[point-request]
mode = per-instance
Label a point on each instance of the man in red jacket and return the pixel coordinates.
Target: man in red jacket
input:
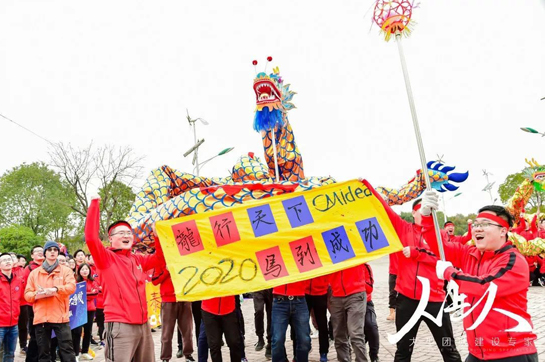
(409, 288)
(492, 265)
(27, 313)
(10, 294)
(348, 307)
(123, 280)
(449, 229)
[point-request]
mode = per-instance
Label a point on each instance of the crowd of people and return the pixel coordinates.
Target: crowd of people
(34, 299)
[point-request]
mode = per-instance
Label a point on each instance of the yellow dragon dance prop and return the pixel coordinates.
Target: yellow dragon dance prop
(168, 193)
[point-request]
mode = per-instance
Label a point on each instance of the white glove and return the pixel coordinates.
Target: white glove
(440, 268)
(430, 200)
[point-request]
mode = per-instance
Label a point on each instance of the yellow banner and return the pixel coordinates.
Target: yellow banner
(275, 241)
(153, 296)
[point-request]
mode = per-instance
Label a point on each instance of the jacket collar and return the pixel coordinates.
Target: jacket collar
(491, 254)
(125, 252)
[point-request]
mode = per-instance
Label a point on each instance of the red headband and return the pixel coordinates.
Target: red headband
(119, 223)
(489, 216)
(417, 207)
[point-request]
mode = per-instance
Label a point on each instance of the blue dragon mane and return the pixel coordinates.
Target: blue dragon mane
(266, 120)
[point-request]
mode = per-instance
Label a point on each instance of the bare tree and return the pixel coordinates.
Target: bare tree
(91, 169)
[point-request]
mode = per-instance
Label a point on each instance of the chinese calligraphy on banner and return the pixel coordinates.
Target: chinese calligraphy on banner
(153, 296)
(274, 241)
(78, 307)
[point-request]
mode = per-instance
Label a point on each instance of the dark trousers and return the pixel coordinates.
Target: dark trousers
(392, 278)
(405, 308)
(534, 279)
(180, 342)
(318, 303)
(370, 330)
(202, 344)
(32, 353)
(23, 325)
(216, 326)
(64, 339)
(262, 304)
(99, 315)
(87, 331)
(523, 358)
(197, 317)
(76, 340)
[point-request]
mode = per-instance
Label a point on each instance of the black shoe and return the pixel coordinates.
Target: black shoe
(179, 354)
(268, 354)
(259, 344)
(189, 358)
(94, 342)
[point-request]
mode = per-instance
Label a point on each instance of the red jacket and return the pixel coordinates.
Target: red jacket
(10, 299)
(459, 238)
(348, 281)
(296, 289)
(369, 281)
(508, 270)
(535, 262)
(219, 306)
(100, 297)
(409, 268)
(122, 275)
(25, 273)
(92, 293)
(526, 232)
(162, 277)
(318, 285)
(392, 269)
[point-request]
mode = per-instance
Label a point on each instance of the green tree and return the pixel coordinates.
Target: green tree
(104, 168)
(116, 201)
(18, 239)
(34, 196)
(509, 186)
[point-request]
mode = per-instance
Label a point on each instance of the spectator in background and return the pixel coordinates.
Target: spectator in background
(22, 260)
(49, 287)
(84, 275)
(27, 312)
(79, 257)
(71, 263)
(10, 295)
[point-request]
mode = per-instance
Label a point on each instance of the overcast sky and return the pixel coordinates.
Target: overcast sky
(124, 72)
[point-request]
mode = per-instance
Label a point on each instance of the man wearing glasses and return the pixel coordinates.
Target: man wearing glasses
(10, 294)
(505, 333)
(123, 278)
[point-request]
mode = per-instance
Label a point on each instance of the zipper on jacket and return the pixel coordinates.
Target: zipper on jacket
(137, 291)
(417, 267)
(473, 302)
(10, 302)
(219, 306)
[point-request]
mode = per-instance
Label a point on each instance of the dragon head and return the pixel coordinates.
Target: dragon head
(440, 177)
(273, 100)
(535, 174)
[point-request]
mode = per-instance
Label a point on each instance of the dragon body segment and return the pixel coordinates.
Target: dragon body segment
(168, 193)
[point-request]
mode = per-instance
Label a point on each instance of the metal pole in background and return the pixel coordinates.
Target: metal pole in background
(419, 141)
(195, 142)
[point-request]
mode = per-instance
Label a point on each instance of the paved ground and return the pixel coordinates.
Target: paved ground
(425, 346)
